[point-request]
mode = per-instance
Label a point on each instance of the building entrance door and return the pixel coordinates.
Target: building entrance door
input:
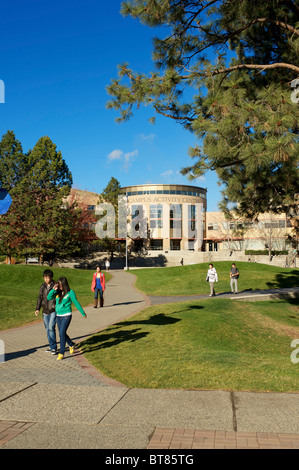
(213, 246)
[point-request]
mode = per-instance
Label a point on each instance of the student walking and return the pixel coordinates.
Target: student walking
(48, 306)
(64, 298)
(98, 287)
(212, 277)
(234, 276)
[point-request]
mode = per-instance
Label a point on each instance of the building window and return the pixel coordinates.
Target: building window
(156, 223)
(156, 220)
(275, 224)
(156, 211)
(175, 245)
(213, 226)
(156, 245)
(91, 208)
(175, 223)
(233, 225)
(167, 191)
(192, 217)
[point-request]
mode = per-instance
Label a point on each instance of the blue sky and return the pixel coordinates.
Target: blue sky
(57, 57)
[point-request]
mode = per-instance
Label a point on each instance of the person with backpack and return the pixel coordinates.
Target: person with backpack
(49, 313)
(234, 276)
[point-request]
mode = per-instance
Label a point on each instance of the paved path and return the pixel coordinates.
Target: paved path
(25, 356)
(242, 295)
(68, 404)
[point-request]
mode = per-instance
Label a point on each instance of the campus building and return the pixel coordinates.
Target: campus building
(271, 231)
(175, 216)
(175, 219)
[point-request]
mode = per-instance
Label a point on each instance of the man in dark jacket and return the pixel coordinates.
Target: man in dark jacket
(49, 314)
(234, 276)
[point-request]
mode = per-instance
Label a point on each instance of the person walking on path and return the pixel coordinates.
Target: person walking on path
(212, 277)
(234, 276)
(49, 314)
(98, 286)
(64, 298)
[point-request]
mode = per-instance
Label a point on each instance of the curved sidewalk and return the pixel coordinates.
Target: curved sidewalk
(67, 404)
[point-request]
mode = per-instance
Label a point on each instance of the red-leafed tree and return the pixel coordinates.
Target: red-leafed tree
(39, 222)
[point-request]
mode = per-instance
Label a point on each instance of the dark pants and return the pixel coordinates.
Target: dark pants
(96, 295)
(63, 324)
(97, 292)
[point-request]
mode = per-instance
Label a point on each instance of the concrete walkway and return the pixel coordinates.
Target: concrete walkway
(48, 404)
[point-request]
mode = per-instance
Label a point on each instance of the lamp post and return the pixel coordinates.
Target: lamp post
(126, 268)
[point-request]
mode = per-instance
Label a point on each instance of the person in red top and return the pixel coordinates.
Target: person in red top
(98, 286)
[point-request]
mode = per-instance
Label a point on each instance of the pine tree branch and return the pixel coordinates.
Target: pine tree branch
(172, 116)
(257, 67)
(277, 23)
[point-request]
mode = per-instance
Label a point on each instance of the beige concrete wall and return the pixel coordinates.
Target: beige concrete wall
(271, 229)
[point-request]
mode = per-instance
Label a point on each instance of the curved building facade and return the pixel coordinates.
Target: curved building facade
(167, 216)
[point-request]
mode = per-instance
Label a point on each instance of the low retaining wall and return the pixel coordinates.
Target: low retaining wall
(170, 258)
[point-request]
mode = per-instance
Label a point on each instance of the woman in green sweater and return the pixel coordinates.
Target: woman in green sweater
(64, 299)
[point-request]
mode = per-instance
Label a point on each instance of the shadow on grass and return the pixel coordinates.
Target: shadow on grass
(117, 335)
(108, 340)
(284, 280)
(159, 319)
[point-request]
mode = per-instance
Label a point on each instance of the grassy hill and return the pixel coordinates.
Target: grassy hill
(19, 288)
(185, 280)
(215, 344)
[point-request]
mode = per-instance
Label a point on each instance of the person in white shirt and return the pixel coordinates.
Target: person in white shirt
(212, 277)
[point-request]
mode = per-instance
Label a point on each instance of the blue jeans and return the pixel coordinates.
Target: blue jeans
(50, 325)
(97, 292)
(63, 324)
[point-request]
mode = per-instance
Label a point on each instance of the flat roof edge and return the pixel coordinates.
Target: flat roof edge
(163, 185)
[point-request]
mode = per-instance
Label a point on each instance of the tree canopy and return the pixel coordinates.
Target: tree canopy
(38, 222)
(110, 195)
(224, 70)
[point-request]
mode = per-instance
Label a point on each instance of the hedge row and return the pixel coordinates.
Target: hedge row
(265, 252)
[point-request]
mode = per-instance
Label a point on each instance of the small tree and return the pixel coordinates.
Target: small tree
(14, 236)
(271, 230)
(49, 181)
(110, 194)
(13, 167)
(13, 162)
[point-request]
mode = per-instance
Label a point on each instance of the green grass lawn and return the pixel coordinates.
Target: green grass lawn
(184, 280)
(211, 344)
(20, 287)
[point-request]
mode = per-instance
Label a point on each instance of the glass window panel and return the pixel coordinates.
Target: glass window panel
(176, 211)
